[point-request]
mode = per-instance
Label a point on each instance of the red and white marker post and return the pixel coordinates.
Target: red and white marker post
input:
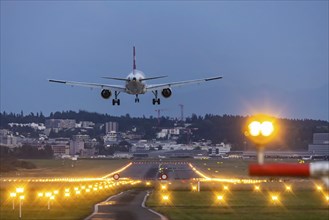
(313, 170)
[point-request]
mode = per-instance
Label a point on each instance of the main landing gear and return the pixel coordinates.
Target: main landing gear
(156, 100)
(116, 100)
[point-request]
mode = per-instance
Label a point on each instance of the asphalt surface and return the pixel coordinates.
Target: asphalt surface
(149, 170)
(125, 206)
(128, 205)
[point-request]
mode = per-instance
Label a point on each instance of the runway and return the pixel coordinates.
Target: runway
(150, 170)
(125, 206)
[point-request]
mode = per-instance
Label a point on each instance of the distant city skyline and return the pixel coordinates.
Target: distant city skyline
(273, 55)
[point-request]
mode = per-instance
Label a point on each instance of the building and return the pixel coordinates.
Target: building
(111, 138)
(219, 149)
(7, 139)
(320, 145)
(87, 124)
(168, 133)
(60, 123)
(60, 146)
(76, 147)
(111, 127)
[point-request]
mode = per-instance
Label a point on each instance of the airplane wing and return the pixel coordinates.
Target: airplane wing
(180, 84)
(118, 88)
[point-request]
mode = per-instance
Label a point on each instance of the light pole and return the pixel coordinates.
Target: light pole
(21, 197)
(13, 196)
(49, 199)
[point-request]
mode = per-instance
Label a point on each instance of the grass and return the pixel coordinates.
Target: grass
(240, 205)
(69, 168)
(231, 168)
(73, 207)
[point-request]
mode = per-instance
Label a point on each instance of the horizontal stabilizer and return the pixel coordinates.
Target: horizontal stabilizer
(156, 77)
(115, 78)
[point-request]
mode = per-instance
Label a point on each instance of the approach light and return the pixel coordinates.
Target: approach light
(19, 190)
(260, 129)
(319, 188)
(288, 188)
(225, 188)
(257, 188)
(165, 197)
(220, 197)
(40, 194)
(12, 195)
(275, 198)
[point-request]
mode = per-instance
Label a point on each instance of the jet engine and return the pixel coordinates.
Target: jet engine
(166, 93)
(106, 93)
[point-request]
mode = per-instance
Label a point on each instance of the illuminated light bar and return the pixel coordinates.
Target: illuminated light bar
(206, 178)
(318, 169)
(117, 171)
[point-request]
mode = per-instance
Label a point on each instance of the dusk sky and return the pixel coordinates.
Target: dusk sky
(273, 55)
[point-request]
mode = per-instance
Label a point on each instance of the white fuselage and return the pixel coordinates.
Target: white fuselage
(135, 84)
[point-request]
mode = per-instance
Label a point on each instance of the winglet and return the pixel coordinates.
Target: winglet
(134, 58)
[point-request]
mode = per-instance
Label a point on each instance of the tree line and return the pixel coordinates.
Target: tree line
(295, 134)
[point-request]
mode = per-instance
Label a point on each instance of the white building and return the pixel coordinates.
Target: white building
(320, 145)
(7, 139)
(168, 132)
(111, 127)
(219, 149)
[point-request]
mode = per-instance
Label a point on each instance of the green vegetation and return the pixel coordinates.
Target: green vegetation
(69, 168)
(240, 205)
(73, 207)
(295, 134)
(232, 168)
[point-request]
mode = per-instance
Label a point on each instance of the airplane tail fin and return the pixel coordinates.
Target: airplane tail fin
(134, 58)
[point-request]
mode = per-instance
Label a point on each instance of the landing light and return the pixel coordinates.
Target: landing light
(319, 188)
(220, 197)
(288, 188)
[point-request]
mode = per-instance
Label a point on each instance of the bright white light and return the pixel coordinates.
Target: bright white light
(220, 197)
(254, 128)
(266, 128)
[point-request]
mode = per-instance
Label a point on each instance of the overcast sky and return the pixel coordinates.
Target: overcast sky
(273, 55)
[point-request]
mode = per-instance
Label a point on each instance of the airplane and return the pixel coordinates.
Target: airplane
(135, 85)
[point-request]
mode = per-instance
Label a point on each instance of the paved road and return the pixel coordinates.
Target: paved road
(126, 206)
